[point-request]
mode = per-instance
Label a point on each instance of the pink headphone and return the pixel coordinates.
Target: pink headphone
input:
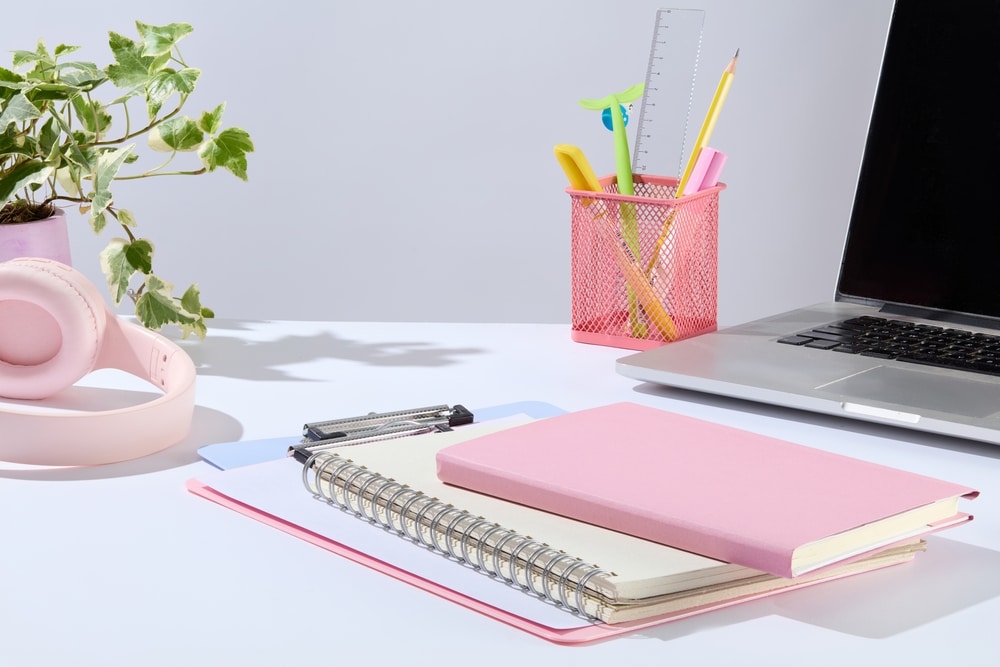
(54, 329)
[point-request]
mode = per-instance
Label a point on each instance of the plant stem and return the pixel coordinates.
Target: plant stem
(128, 117)
(75, 200)
(153, 172)
(128, 232)
(144, 130)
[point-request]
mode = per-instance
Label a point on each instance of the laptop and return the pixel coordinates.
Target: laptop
(922, 253)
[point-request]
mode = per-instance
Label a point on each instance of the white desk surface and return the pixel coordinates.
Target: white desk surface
(120, 565)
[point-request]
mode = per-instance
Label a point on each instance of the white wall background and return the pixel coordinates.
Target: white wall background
(404, 166)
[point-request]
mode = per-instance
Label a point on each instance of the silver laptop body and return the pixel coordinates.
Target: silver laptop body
(923, 247)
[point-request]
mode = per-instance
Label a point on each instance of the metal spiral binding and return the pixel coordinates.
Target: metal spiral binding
(497, 552)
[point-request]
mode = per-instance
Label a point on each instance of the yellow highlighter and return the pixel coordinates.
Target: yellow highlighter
(574, 164)
(582, 177)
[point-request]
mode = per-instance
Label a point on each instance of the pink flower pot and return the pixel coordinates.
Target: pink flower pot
(42, 238)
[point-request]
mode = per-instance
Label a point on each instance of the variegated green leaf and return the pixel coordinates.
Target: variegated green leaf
(18, 109)
(108, 165)
(121, 260)
(7, 80)
(48, 139)
(92, 115)
(140, 255)
(191, 303)
(176, 134)
(159, 40)
(228, 150)
(210, 121)
(126, 218)
(157, 306)
(84, 76)
(131, 66)
(98, 221)
(23, 175)
(68, 178)
(191, 300)
(166, 83)
(116, 268)
(63, 49)
(39, 55)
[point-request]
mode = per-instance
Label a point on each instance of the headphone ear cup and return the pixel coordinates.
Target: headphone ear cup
(52, 323)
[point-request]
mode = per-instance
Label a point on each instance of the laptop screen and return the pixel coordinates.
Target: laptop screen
(925, 228)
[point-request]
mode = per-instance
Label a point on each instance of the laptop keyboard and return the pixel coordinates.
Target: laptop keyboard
(906, 341)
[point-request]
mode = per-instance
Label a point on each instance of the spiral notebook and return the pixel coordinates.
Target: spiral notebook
(436, 537)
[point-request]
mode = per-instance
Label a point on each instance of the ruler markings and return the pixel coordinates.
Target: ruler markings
(662, 127)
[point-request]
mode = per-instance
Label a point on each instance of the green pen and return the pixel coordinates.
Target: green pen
(623, 170)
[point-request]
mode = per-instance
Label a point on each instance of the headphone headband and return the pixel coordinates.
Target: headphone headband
(87, 438)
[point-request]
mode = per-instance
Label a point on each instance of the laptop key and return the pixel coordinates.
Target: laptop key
(794, 340)
(834, 330)
(823, 344)
(842, 337)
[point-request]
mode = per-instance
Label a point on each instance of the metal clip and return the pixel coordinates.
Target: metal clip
(375, 426)
(436, 415)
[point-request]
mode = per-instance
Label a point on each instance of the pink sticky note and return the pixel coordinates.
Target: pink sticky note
(707, 170)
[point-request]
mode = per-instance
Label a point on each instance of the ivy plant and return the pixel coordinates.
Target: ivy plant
(69, 132)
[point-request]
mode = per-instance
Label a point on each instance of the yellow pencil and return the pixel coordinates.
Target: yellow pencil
(704, 136)
(708, 125)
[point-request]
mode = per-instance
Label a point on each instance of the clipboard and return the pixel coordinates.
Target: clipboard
(539, 619)
(226, 455)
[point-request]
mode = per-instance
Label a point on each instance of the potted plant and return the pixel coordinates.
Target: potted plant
(61, 145)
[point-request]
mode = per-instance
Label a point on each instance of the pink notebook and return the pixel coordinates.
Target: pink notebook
(704, 487)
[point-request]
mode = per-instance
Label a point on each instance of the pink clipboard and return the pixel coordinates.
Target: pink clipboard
(585, 633)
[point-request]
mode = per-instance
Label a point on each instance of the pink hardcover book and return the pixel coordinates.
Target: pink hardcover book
(722, 492)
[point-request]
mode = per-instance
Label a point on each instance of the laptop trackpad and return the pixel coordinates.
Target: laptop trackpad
(918, 389)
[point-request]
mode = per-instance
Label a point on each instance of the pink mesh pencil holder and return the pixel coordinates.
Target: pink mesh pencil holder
(644, 267)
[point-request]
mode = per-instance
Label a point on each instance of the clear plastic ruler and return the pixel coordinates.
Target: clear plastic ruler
(662, 131)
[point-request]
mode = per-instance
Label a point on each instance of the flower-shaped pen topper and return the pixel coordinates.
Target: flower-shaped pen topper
(614, 102)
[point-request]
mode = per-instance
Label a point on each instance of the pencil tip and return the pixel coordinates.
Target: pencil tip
(737, 54)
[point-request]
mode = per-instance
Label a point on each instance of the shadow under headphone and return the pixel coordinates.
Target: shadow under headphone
(55, 328)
